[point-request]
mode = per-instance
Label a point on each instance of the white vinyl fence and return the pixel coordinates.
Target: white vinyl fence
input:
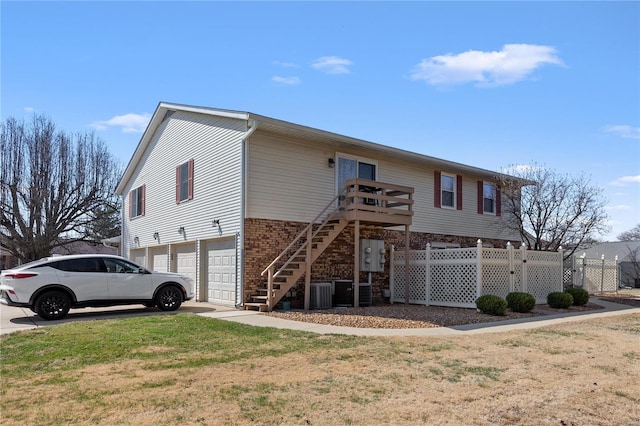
(457, 277)
(595, 275)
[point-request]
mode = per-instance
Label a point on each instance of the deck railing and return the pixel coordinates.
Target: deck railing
(381, 202)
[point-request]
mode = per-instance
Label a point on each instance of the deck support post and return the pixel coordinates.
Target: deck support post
(356, 264)
(307, 278)
(406, 264)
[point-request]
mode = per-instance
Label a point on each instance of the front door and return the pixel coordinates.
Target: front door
(350, 167)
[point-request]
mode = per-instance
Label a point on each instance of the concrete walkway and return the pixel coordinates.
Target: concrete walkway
(261, 320)
(15, 319)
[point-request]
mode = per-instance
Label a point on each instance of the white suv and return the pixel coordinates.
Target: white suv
(53, 285)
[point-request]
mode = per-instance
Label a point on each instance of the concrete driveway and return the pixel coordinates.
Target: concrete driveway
(16, 319)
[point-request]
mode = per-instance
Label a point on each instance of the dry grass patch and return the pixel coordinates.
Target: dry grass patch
(576, 373)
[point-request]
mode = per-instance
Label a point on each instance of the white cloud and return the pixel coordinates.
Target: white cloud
(624, 131)
(626, 180)
(513, 63)
(332, 65)
(289, 81)
(29, 109)
(130, 123)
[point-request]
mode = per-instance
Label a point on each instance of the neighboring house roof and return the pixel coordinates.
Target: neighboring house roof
(622, 249)
(297, 131)
(83, 247)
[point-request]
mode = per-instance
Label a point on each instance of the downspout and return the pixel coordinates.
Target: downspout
(252, 125)
(122, 216)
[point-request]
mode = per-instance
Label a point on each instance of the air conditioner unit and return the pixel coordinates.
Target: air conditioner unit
(366, 294)
(320, 297)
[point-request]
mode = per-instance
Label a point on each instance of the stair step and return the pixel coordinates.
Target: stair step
(259, 297)
(262, 307)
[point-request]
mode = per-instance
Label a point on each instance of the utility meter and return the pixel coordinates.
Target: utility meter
(372, 255)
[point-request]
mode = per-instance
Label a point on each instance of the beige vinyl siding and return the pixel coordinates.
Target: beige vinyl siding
(430, 219)
(214, 143)
(288, 180)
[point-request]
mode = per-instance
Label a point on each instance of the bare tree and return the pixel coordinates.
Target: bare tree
(632, 234)
(51, 185)
(552, 209)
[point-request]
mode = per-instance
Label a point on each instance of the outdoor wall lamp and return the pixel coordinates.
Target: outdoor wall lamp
(136, 240)
(181, 230)
(331, 163)
(156, 236)
(215, 222)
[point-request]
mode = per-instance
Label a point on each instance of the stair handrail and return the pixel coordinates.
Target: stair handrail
(304, 232)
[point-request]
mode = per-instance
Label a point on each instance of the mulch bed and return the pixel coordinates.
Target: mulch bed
(625, 299)
(420, 316)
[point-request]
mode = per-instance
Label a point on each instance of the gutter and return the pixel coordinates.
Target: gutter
(252, 126)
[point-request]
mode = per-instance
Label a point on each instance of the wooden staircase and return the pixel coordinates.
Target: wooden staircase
(362, 201)
(296, 266)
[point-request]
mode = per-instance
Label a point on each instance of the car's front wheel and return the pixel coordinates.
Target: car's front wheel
(169, 298)
(52, 305)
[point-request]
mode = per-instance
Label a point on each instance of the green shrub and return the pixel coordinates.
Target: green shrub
(492, 305)
(580, 296)
(559, 300)
(520, 302)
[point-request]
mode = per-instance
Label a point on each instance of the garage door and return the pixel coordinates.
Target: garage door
(159, 259)
(186, 261)
(138, 256)
(221, 272)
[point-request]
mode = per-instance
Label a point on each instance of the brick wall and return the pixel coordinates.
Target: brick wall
(266, 239)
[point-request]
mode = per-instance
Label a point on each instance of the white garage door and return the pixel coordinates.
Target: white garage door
(186, 261)
(159, 259)
(221, 272)
(138, 256)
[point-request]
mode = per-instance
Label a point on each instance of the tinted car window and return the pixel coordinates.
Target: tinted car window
(120, 266)
(88, 264)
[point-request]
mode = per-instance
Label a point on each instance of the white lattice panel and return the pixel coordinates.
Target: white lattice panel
(453, 285)
(517, 271)
(598, 276)
(495, 279)
(489, 254)
(453, 274)
(544, 256)
(453, 254)
(542, 280)
(417, 281)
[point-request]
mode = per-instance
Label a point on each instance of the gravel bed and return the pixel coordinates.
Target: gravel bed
(412, 316)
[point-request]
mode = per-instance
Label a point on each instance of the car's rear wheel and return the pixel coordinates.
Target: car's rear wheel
(52, 305)
(169, 298)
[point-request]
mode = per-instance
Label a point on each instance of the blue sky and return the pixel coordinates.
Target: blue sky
(490, 84)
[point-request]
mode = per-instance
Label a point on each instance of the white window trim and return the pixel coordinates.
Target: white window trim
(455, 188)
(134, 202)
(357, 158)
(495, 201)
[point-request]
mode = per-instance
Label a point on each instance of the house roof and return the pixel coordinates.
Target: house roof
(285, 128)
(622, 249)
